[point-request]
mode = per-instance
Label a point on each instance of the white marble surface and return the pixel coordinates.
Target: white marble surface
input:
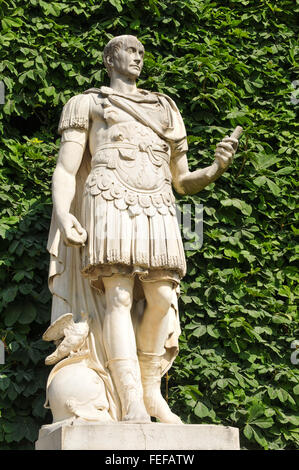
(129, 436)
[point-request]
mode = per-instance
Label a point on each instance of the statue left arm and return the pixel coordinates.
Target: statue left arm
(186, 182)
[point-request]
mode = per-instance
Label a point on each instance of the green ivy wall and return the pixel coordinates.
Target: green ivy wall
(224, 63)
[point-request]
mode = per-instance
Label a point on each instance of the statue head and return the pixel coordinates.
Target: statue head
(124, 55)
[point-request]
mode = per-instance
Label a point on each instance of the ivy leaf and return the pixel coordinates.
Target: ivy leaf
(4, 382)
(117, 4)
(248, 431)
(9, 293)
(12, 313)
(201, 410)
(239, 204)
(254, 412)
(22, 427)
(259, 438)
(264, 160)
(200, 331)
(263, 422)
(273, 187)
(213, 331)
(282, 395)
(260, 180)
(28, 314)
(11, 22)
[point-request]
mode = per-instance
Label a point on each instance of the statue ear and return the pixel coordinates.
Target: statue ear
(109, 60)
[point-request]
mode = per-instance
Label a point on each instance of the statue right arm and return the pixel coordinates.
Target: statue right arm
(71, 151)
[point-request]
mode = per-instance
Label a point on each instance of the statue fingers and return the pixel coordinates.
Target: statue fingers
(80, 230)
(231, 140)
(221, 156)
(84, 237)
(72, 242)
(72, 237)
(223, 152)
(77, 225)
(223, 161)
(227, 146)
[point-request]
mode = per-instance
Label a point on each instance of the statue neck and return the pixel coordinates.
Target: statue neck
(123, 85)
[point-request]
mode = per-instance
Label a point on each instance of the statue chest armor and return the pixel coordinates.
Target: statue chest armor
(130, 163)
(138, 156)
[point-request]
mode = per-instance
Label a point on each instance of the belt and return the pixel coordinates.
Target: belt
(129, 151)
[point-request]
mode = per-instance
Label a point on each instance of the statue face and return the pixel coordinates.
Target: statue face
(128, 61)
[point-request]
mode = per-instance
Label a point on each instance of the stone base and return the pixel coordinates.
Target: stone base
(125, 436)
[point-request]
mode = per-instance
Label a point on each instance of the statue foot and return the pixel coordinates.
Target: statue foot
(157, 407)
(137, 413)
(126, 375)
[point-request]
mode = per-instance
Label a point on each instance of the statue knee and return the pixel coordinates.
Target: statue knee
(120, 298)
(119, 292)
(160, 299)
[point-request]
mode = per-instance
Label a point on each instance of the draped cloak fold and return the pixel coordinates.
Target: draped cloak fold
(70, 290)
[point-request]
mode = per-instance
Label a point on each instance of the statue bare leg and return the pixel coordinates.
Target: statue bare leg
(151, 337)
(120, 346)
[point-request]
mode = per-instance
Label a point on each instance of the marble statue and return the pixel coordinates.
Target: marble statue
(116, 251)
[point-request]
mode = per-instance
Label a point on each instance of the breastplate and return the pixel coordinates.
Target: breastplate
(132, 168)
(139, 157)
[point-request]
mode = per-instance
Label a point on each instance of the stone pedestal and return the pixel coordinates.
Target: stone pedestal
(122, 436)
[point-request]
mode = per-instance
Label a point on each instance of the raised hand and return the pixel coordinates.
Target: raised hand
(225, 151)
